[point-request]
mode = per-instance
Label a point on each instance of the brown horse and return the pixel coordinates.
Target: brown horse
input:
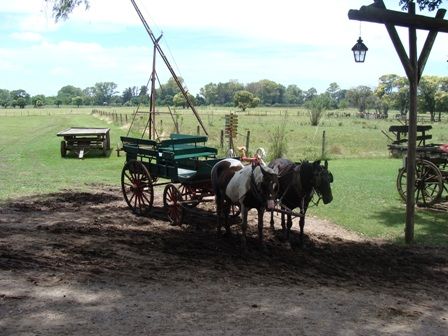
(298, 183)
(252, 186)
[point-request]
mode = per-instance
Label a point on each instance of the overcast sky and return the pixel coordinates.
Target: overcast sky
(287, 41)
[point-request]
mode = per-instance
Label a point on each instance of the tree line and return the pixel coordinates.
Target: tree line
(392, 92)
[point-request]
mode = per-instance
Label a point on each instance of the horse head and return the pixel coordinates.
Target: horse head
(322, 178)
(269, 185)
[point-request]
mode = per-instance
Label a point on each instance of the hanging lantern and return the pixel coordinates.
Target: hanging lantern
(359, 51)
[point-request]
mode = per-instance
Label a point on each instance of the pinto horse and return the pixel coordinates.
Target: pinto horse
(298, 182)
(251, 186)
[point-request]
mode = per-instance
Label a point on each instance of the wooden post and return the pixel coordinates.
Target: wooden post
(323, 146)
(247, 142)
(221, 139)
(412, 132)
(198, 130)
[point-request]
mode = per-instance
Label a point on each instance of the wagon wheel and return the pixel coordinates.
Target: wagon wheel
(189, 194)
(428, 183)
(105, 149)
(63, 149)
(172, 199)
(136, 184)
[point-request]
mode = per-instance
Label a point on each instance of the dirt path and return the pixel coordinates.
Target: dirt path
(80, 263)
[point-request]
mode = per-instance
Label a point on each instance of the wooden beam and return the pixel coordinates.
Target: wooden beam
(375, 14)
(426, 50)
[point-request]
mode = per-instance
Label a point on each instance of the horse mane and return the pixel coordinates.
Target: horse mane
(306, 175)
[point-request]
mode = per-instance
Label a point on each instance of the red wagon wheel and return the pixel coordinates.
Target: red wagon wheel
(136, 184)
(190, 195)
(172, 201)
(428, 183)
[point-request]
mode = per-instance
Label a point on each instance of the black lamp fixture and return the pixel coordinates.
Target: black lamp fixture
(359, 51)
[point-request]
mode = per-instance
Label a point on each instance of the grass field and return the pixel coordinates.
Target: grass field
(365, 197)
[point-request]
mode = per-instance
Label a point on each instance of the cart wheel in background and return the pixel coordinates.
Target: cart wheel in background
(428, 183)
(172, 199)
(190, 196)
(63, 149)
(136, 184)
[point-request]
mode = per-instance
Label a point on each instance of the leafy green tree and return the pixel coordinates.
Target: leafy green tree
(335, 94)
(77, 101)
(62, 8)
(422, 4)
(179, 100)
(358, 97)
(243, 99)
(268, 91)
(38, 100)
(441, 103)
(210, 93)
(104, 92)
(21, 102)
(67, 93)
(310, 94)
(427, 89)
(167, 91)
(294, 95)
(5, 98)
(16, 94)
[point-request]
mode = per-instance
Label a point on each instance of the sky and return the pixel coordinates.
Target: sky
(306, 43)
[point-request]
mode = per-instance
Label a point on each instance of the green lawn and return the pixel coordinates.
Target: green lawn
(365, 196)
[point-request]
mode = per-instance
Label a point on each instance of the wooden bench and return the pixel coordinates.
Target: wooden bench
(401, 132)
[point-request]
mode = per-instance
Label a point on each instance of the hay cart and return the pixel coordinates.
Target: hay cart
(182, 163)
(81, 140)
(431, 174)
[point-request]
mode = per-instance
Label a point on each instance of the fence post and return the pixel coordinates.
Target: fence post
(247, 142)
(198, 130)
(323, 145)
(221, 139)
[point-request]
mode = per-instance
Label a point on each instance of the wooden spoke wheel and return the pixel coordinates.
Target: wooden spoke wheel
(63, 149)
(136, 184)
(190, 195)
(105, 149)
(428, 183)
(172, 201)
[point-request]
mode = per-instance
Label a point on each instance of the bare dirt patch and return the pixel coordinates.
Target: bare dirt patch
(81, 263)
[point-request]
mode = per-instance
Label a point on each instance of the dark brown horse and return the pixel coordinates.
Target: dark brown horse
(298, 183)
(252, 186)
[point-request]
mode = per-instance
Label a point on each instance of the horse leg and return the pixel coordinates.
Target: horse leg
(283, 221)
(272, 221)
(244, 212)
(219, 207)
(226, 217)
(260, 229)
(288, 230)
(302, 225)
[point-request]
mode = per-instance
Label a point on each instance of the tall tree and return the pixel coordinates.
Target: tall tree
(104, 92)
(67, 93)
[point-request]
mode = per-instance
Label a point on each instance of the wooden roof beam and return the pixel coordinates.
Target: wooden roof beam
(373, 13)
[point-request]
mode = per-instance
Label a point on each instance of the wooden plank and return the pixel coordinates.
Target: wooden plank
(386, 16)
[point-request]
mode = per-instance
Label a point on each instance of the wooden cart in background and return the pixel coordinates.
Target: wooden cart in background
(81, 140)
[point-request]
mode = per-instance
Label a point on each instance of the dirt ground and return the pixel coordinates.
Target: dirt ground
(80, 263)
